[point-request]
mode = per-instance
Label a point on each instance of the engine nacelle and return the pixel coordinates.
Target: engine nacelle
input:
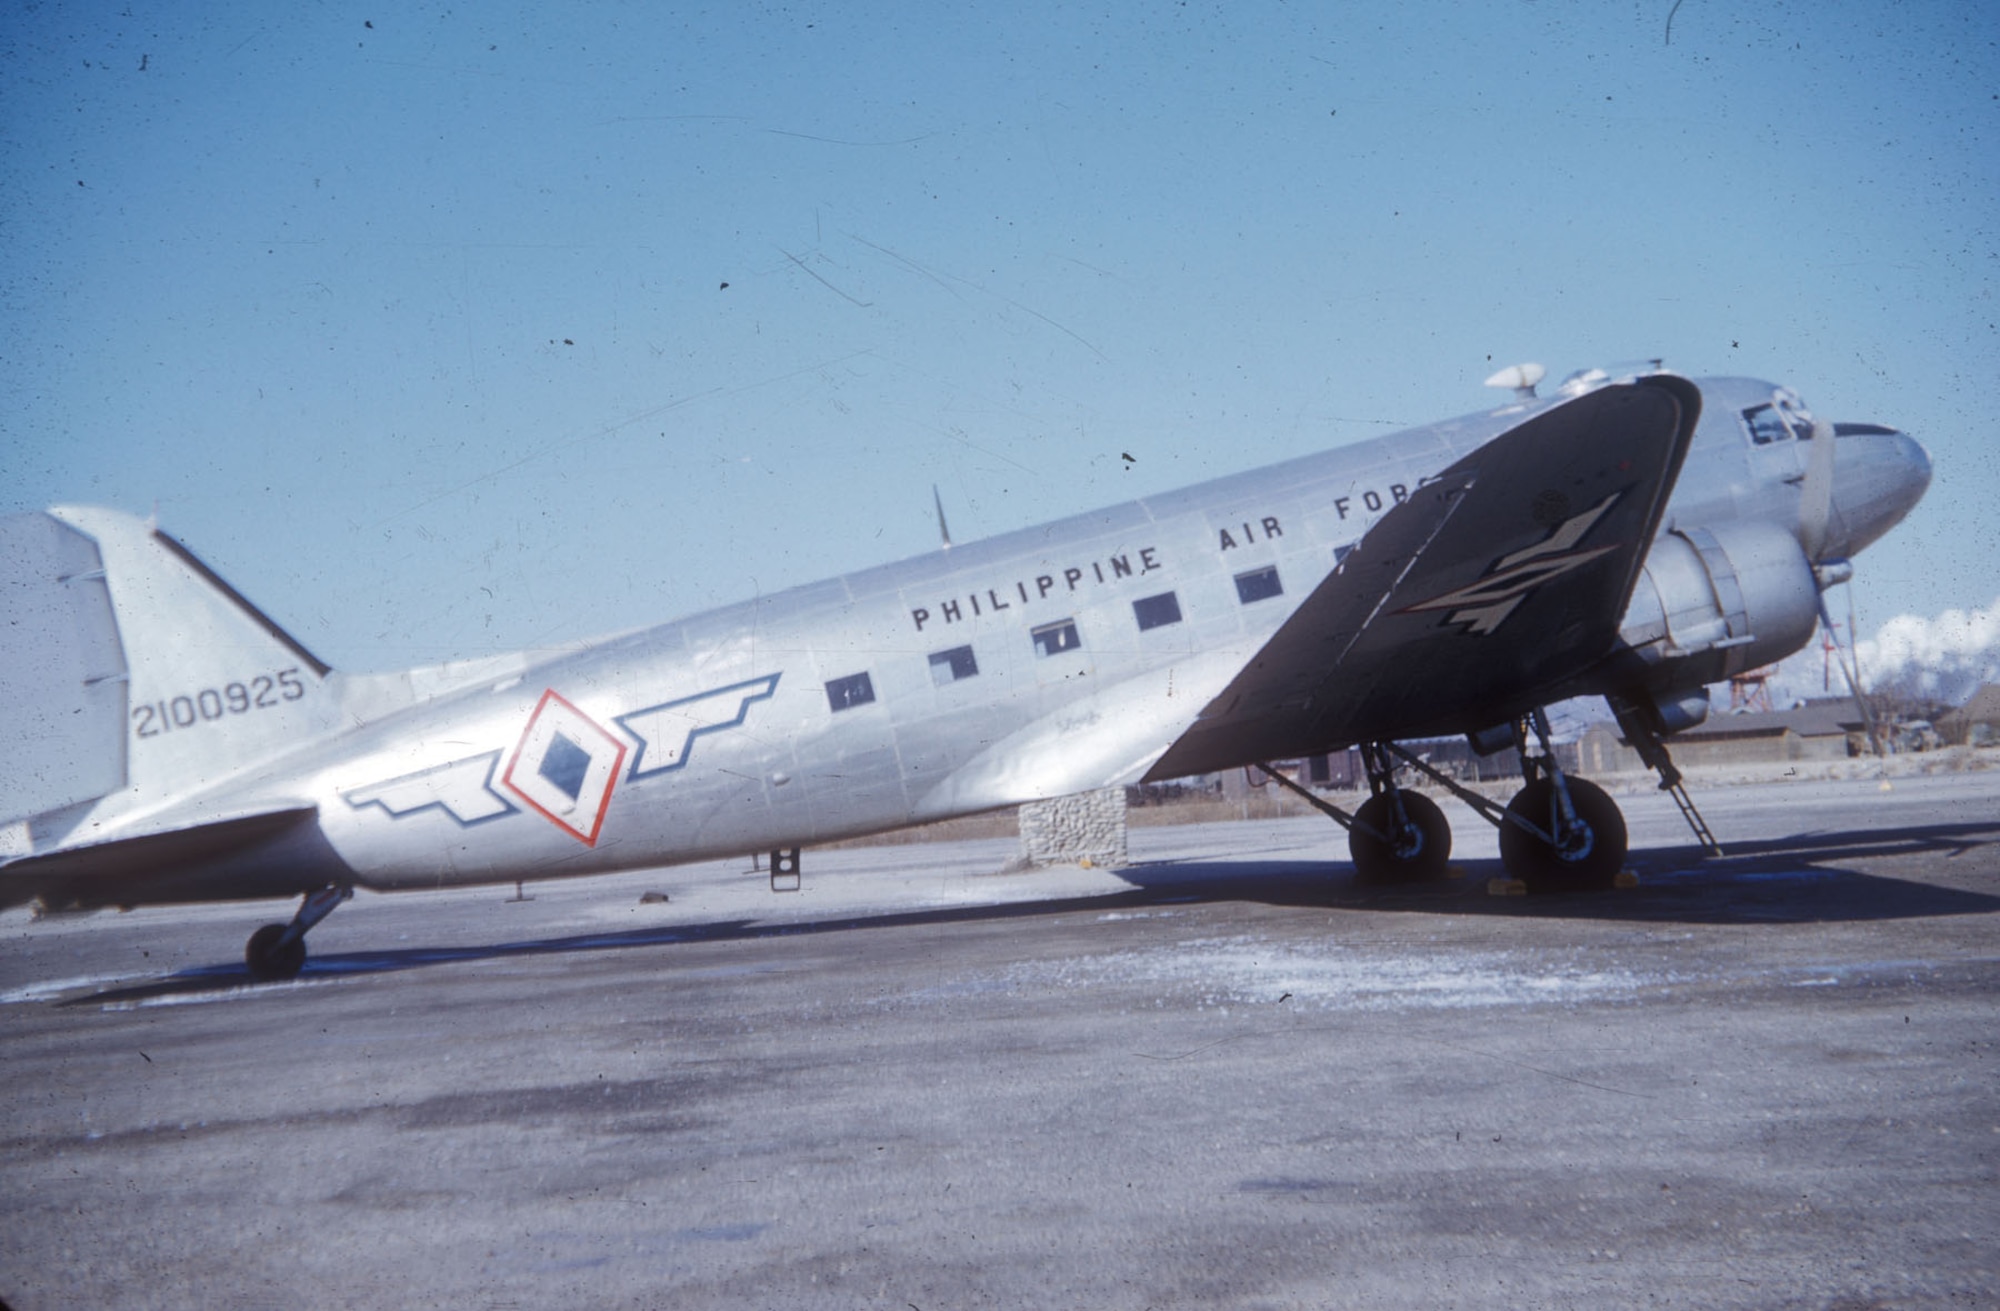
(1715, 601)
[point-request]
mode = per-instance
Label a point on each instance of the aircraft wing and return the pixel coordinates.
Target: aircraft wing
(1497, 579)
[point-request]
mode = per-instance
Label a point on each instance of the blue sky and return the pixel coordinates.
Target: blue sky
(412, 320)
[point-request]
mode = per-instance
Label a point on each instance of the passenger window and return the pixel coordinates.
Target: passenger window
(950, 666)
(1156, 611)
(1258, 585)
(1766, 426)
(1056, 638)
(847, 693)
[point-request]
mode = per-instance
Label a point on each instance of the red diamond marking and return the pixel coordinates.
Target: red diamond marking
(562, 746)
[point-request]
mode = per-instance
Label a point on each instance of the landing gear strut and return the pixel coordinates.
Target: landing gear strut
(1633, 721)
(278, 951)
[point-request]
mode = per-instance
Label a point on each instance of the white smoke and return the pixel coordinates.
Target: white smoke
(1947, 657)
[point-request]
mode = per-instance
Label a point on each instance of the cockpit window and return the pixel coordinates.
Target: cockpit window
(1785, 418)
(1766, 426)
(1795, 412)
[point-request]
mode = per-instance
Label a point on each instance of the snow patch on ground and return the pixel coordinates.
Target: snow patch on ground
(1240, 971)
(51, 989)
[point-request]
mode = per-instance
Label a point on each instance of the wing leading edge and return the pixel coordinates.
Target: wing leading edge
(1498, 579)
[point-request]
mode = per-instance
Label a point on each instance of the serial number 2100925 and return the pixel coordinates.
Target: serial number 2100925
(263, 692)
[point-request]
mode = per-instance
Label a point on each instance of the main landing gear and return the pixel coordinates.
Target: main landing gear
(278, 951)
(1398, 835)
(1558, 834)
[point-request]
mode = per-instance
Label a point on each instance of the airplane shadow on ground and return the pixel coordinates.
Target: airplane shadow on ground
(1802, 879)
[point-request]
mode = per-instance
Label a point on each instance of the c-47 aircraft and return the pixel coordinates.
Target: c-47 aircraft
(1634, 537)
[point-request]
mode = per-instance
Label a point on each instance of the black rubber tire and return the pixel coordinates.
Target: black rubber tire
(1376, 861)
(1590, 864)
(270, 962)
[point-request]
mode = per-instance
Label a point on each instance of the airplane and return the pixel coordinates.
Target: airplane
(1634, 537)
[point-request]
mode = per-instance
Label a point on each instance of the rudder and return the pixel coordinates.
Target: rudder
(63, 712)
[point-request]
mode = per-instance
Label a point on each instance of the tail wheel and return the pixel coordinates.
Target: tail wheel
(271, 958)
(1588, 856)
(1416, 852)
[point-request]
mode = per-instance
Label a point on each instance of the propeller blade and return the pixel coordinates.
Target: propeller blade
(1816, 493)
(1850, 674)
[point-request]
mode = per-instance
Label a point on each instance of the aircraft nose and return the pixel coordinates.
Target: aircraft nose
(1917, 461)
(1880, 475)
(1908, 476)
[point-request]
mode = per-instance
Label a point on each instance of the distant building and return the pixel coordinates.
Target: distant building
(1977, 722)
(1815, 731)
(1602, 750)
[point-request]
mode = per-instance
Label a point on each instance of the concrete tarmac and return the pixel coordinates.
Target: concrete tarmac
(1227, 1076)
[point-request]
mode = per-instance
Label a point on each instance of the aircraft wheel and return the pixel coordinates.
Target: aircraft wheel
(268, 961)
(1419, 852)
(1588, 861)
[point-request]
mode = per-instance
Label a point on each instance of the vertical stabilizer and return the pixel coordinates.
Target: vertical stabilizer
(211, 684)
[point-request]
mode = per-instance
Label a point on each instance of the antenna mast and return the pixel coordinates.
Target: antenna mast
(943, 532)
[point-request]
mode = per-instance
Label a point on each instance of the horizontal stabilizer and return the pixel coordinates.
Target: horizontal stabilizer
(273, 854)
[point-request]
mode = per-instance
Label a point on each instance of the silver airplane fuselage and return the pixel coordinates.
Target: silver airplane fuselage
(1038, 663)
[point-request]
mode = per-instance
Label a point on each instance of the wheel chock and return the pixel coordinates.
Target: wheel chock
(1454, 871)
(1625, 879)
(1506, 888)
